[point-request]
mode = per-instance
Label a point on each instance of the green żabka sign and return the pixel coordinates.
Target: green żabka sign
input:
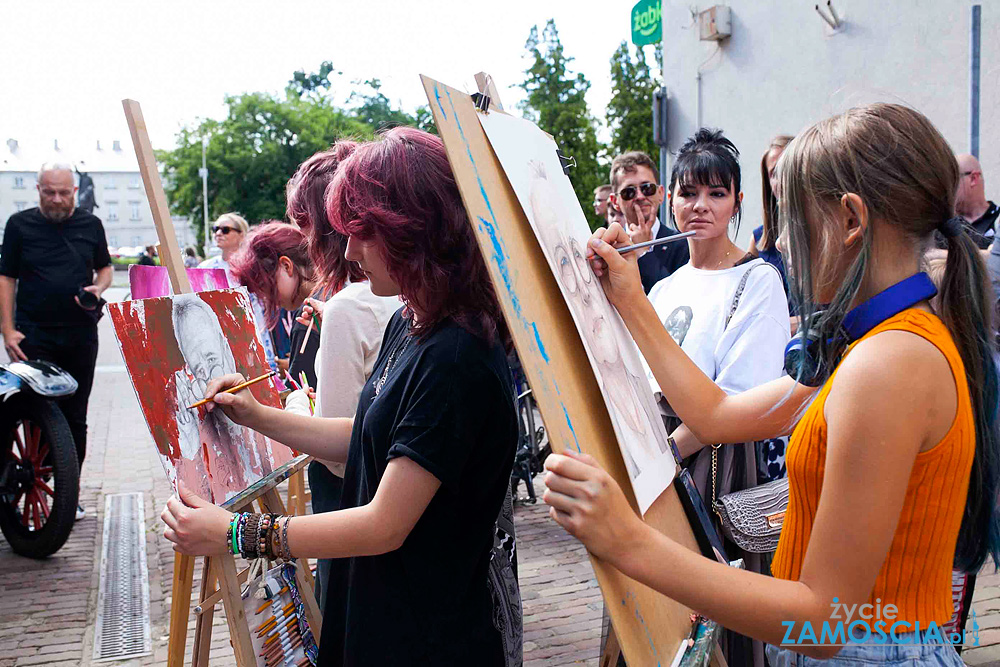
(646, 26)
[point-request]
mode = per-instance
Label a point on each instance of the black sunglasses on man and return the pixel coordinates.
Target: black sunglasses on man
(647, 189)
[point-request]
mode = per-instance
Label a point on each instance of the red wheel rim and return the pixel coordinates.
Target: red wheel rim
(30, 447)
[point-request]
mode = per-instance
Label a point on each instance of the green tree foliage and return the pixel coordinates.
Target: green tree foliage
(556, 102)
(374, 109)
(315, 83)
(630, 111)
(256, 148)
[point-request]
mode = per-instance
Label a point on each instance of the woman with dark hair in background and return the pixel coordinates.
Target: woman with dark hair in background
(765, 238)
(764, 243)
(430, 449)
(893, 463)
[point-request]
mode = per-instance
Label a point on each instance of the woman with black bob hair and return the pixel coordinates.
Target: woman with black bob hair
(726, 309)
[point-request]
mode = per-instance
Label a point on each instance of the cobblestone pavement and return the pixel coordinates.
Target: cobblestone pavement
(48, 608)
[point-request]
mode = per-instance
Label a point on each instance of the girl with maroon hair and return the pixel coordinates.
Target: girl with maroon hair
(274, 264)
(354, 320)
(430, 449)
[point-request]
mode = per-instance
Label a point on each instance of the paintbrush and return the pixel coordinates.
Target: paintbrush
(272, 624)
(275, 617)
(283, 631)
(281, 646)
(291, 381)
(268, 603)
(655, 242)
(305, 385)
(281, 656)
(305, 339)
(233, 390)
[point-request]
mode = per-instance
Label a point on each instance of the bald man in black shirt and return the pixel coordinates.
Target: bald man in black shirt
(51, 256)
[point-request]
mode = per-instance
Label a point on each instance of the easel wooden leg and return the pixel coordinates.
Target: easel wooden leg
(203, 624)
(180, 608)
(239, 631)
(612, 650)
(297, 494)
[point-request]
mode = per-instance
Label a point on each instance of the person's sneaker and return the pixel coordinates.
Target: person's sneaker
(80, 512)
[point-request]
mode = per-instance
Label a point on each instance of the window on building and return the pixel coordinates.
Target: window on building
(134, 206)
(136, 240)
(110, 184)
(113, 241)
(133, 183)
(112, 207)
(20, 205)
(19, 182)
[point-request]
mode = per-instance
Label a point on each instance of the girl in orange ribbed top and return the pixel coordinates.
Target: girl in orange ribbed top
(893, 467)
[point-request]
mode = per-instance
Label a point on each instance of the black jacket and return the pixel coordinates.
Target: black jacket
(662, 260)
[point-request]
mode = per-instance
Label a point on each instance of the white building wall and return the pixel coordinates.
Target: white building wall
(783, 69)
(121, 205)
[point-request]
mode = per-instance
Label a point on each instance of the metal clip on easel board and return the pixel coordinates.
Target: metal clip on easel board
(481, 101)
(566, 162)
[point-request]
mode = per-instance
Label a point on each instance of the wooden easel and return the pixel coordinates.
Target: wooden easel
(649, 626)
(264, 492)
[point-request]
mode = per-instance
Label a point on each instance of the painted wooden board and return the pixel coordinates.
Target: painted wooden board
(650, 626)
(170, 252)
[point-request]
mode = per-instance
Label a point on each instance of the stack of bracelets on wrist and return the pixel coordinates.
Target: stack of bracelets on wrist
(258, 536)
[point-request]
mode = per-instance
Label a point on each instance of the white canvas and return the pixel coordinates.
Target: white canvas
(529, 159)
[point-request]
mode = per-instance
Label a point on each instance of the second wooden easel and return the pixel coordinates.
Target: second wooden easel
(221, 569)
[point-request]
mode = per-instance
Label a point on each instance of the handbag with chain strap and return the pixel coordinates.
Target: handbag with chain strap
(750, 518)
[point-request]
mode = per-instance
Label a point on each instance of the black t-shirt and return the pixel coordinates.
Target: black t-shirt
(447, 403)
(48, 273)
(982, 231)
(305, 361)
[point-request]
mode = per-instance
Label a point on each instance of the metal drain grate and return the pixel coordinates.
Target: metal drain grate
(123, 600)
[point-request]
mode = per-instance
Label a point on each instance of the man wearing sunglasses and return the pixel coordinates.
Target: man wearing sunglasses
(636, 192)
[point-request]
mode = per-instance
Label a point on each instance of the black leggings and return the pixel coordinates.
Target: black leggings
(73, 349)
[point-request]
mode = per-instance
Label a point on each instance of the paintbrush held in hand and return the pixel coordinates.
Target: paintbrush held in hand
(233, 390)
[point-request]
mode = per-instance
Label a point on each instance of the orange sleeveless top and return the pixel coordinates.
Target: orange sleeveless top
(916, 574)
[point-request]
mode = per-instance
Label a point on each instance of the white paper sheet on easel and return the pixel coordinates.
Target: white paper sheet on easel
(530, 161)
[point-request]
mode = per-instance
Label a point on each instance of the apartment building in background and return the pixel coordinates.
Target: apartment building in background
(121, 199)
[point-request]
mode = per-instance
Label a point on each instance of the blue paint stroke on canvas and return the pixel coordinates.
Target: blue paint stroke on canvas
(437, 96)
(499, 254)
(541, 346)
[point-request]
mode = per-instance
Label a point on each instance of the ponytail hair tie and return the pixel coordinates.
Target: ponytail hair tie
(952, 227)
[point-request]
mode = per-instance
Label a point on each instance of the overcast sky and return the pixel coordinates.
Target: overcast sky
(68, 65)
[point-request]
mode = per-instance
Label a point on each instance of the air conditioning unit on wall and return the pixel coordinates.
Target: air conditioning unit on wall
(714, 24)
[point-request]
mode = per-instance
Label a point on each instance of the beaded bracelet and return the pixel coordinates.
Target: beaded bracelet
(229, 535)
(265, 526)
(258, 536)
(273, 546)
(286, 552)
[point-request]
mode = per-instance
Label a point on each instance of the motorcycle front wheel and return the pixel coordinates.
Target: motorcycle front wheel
(39, 476)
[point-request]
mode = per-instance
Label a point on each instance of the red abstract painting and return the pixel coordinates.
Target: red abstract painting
(173, 346)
